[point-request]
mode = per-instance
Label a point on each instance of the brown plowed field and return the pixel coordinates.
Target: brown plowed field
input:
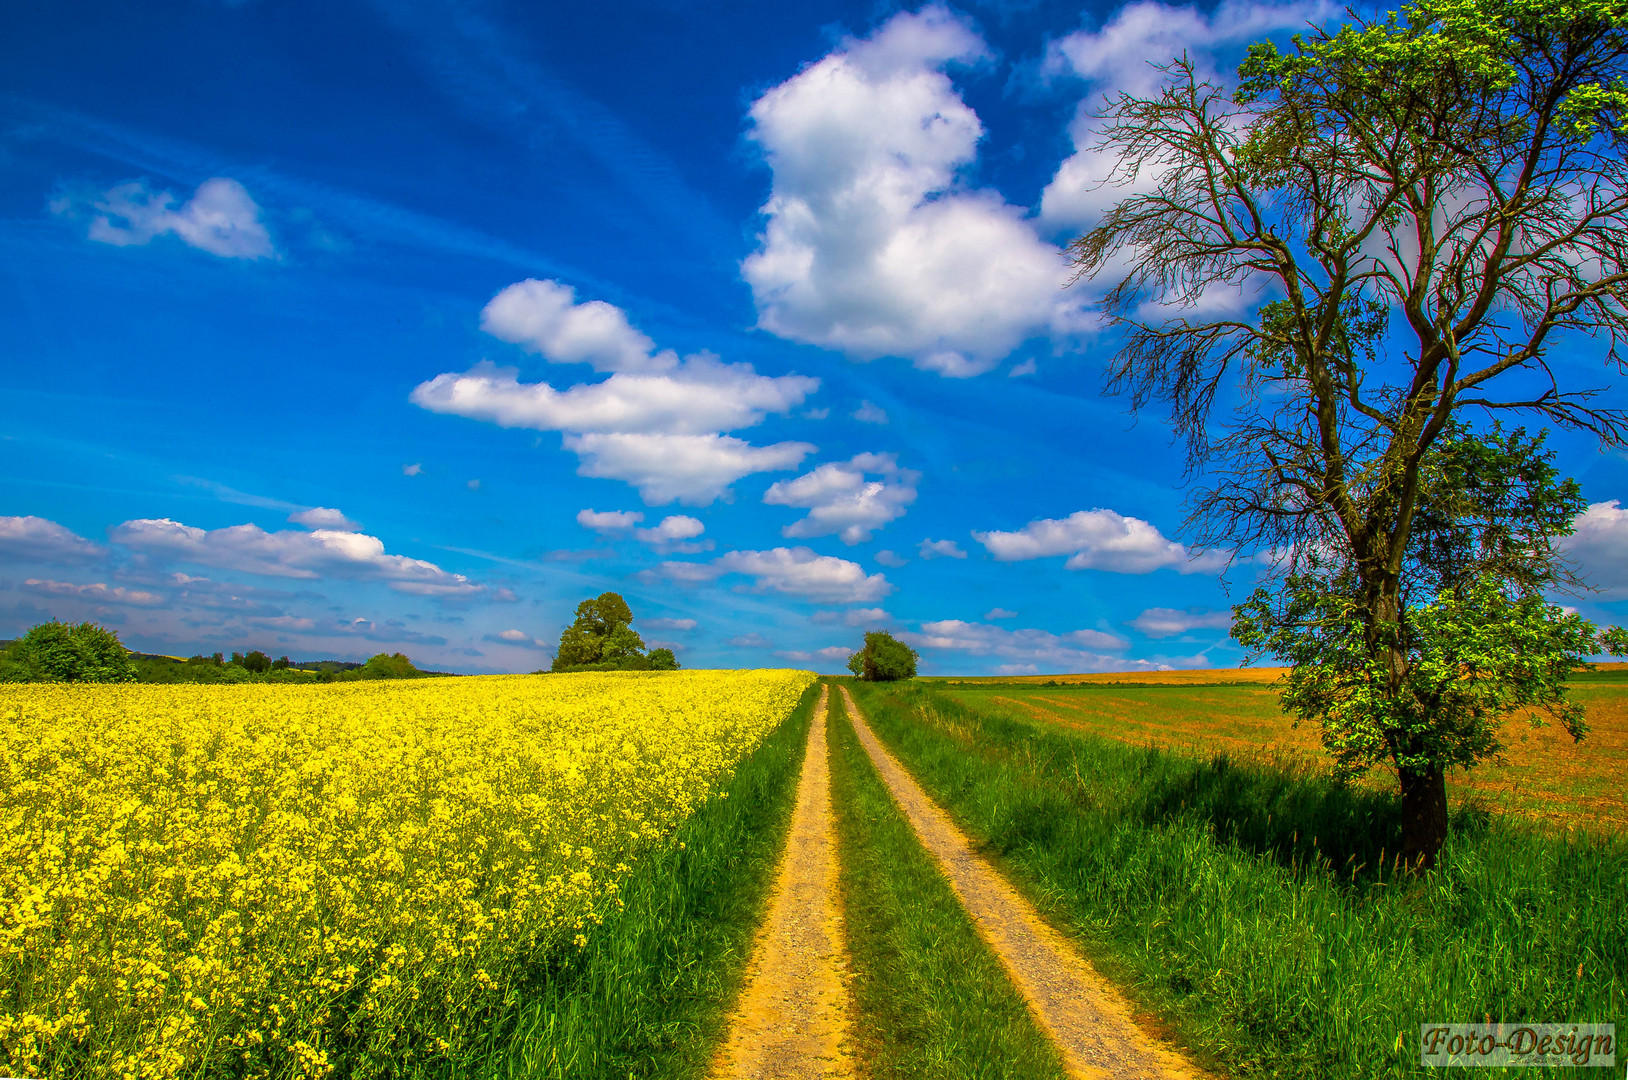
(1545, 775)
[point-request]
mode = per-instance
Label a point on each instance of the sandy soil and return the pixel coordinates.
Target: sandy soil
(792, 1018)
(1087, 1019)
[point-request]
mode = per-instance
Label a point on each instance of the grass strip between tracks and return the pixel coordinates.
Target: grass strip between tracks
(650, 993)
(1245, 905)
(932, 1000)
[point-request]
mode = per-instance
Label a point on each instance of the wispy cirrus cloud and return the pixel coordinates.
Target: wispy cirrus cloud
(868, 616)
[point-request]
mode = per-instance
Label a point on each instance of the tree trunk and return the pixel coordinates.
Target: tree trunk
(1424, 817)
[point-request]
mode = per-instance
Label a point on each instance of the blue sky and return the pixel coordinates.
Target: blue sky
(339, 328)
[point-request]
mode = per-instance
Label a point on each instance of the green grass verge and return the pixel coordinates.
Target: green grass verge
(931, 999)
(1246, 904)
(649, 994)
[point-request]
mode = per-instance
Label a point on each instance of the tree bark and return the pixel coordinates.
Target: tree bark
(1424, 816)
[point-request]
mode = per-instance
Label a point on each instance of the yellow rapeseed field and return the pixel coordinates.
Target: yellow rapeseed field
(245, 879)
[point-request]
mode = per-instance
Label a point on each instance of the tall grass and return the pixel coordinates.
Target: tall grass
(931, 998)
(648, 995)
(1256, 906)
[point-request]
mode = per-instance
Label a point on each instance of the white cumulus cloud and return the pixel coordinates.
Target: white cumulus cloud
(609, 521)
(544, 317)
(694, 469)
(1160, 622)
(1120, 55)
(700, 395)
(1099, 540)
(657, 422)
(37, 539)
(840, 499)
(869, 616)
(220, 218)
(940, 549)
(800, 572)
(870, 413)
(323, 517)
(871, 245)
(795, 571)
(668, 534)
(517, 637)
(1599, 545)
(672, 528)
(668, 624)
(291, 553)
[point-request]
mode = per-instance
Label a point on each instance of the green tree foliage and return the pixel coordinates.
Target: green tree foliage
(1478, 639)
(389, 666)
(602, 639)
(257, 662)
(63, 652)
(883, 659)
(1430, 198)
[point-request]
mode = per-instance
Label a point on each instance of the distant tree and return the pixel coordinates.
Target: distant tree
(237, 658)
(281, 664)
(883, 659)
(63, 652)
(600, 634)
(257, 662)
(663, 660)
(389, 666)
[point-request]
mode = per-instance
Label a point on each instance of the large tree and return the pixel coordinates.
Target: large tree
(602, 634)
(1396, 219)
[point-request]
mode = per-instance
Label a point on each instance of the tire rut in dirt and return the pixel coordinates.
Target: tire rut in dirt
(1087, 1019)
(791, 1022)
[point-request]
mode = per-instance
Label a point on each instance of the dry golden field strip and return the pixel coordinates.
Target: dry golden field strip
(197, 879)
(1545, 775)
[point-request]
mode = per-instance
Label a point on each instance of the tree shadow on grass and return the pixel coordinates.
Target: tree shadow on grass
(1288, 811)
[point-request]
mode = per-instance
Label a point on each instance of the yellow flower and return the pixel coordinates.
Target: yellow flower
(191, 877)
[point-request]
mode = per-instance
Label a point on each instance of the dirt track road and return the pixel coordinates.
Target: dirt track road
(792, 1017)
(1087, 1019)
